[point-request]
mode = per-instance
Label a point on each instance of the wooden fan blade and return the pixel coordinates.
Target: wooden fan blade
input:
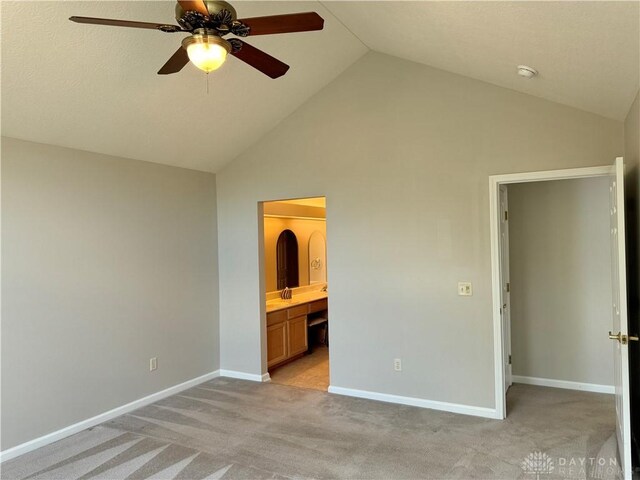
(270, 66)
(177, 61)
(126, 23)
(293, 22)
(194, 6)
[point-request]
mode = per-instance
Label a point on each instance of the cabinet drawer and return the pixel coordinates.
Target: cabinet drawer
(298, 311)
(276, 317)
(318, 306)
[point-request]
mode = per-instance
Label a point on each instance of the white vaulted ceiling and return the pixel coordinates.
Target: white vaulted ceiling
(95, 88)
(587, 52)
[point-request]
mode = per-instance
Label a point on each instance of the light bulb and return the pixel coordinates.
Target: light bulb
(207, 52)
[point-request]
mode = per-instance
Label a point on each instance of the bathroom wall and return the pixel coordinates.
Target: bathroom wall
(106, 262)
(303, 229)
(560, 270)
(403, 153)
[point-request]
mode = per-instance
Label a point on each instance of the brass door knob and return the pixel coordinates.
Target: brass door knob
(622, 338)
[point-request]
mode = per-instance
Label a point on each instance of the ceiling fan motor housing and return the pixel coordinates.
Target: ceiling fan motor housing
(222, 18)
(202, 35)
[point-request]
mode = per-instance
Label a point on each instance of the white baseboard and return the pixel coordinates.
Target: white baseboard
(548, 382)
(101, 418)
(254, 377)
(417, 402)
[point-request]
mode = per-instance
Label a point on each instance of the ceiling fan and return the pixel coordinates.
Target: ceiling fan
(207, 22)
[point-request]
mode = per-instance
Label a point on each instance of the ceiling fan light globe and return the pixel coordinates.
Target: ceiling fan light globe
(207, 57)
(207, 52)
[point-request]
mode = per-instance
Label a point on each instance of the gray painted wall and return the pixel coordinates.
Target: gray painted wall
(403, 153)
(106, 262)
(560, 266)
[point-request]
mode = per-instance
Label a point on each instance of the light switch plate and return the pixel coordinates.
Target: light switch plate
(465, 289)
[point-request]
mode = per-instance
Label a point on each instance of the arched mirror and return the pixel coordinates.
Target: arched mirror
(287, 260)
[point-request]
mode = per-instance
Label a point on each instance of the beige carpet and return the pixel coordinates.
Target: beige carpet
(310, 371)
(229, 429)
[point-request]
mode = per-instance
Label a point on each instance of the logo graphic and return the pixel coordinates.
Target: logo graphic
(537, 463)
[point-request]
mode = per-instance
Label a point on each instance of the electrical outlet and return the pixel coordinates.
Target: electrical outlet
(153, 364)
(397, 364)
(465, 289)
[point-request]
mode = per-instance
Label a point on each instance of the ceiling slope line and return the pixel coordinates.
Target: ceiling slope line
(342, 23)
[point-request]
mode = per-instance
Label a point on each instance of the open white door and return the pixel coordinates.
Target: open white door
(500, 291)
(505, 308)
(619, 331)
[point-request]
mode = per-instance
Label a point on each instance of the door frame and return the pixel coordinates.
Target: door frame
(495, 181)
(264, 367)
(505, 302)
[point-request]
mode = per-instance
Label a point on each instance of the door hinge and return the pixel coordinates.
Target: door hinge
(508, 287)
(506, 215)
(509, 359)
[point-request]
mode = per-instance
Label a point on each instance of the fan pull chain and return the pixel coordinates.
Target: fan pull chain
(207, 82)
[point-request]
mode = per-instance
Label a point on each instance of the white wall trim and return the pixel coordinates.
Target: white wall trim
(565, 174)
(549, 382)
(494, 223)
(498, 350)
(417, 402)
(254, 377)
(101, 418)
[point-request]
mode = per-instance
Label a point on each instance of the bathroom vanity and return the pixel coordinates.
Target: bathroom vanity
(287, 325)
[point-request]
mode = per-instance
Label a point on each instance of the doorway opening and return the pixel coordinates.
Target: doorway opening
(516, 366)
(294, 262)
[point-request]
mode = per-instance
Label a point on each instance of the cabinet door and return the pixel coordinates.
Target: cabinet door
(276, 343)
(297, 333)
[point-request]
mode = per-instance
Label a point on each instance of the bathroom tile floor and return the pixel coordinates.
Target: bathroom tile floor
(310, 371)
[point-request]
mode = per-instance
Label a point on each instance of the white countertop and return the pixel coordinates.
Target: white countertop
(300, 298)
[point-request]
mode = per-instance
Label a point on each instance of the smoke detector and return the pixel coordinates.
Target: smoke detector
(527, 72)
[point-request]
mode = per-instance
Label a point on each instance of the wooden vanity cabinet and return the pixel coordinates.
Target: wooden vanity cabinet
(276, 343)
(297, 336)
(318, 305)
(286, 334)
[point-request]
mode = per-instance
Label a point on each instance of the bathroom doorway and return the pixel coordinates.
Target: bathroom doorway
(294, 266)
